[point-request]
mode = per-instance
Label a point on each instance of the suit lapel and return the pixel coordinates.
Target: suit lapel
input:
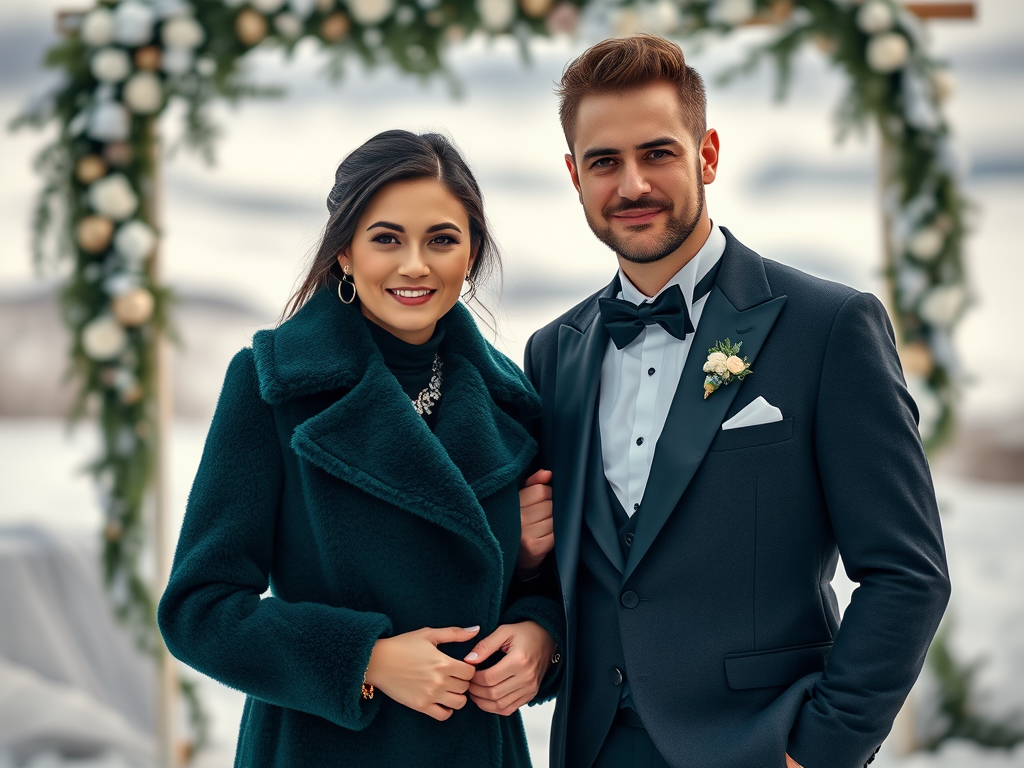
(581, 348)
(692, 421)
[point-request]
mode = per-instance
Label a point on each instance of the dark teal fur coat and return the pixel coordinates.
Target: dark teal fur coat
(320, 481)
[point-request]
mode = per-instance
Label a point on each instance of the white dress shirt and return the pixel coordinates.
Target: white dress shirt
(639, 381)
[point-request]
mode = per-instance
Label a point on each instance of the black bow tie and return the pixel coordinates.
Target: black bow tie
(624, 319)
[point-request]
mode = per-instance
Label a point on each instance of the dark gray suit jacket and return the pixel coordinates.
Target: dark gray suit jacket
(734, 649)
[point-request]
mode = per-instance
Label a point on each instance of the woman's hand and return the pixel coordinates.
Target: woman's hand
(410, 670)
(537, 537)
(514, 680)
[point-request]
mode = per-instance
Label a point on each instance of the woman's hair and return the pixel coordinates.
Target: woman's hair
(388, 157)
(624, 64)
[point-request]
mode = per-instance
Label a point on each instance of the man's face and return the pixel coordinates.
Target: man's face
(639, 174)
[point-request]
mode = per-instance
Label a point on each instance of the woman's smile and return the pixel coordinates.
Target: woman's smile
(412, 297)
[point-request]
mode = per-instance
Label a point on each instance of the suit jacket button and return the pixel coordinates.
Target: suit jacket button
(630, 599)
(629, 539)
(616, 676)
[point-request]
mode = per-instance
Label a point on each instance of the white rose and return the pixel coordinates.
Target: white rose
(719, 363)
(113, 196)
(289, 25)
(368, 12)
(133, 23)
(98, 28)
(267, 6)
(875, 16)
(926, 244)
(496, 15)
(104, 338)
(108, 121)
(177, 61)
(110, 65)
(942, 305)
(135, 240)
(182, 32)
(887, 52)
(143, 93)
(732, 12)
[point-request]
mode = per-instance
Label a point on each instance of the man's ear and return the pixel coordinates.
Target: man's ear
(574, 174)
(709, 156)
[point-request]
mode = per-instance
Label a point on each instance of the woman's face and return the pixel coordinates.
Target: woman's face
(409, 257)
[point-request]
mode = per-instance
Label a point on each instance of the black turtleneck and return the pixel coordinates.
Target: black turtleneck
(411, 364)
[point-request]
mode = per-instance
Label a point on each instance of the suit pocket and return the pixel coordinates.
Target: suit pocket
(776, 667)
(748, 437)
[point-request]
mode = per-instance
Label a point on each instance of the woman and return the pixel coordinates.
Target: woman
(363, 464)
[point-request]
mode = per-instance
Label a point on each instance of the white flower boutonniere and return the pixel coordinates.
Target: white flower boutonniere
(724, 366)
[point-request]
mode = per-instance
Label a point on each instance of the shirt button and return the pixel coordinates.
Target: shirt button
(639, 441)
(650, 371)
(636, 506)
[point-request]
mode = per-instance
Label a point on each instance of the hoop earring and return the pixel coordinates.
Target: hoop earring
(346, 279)
(470, 288)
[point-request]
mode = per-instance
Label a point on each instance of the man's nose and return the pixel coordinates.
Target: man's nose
(633, 184)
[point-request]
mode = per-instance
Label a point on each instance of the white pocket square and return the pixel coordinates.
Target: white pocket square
(758, 411)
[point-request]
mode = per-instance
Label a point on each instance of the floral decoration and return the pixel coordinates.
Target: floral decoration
(724, 366)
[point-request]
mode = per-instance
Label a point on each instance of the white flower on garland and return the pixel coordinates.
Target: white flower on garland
(133, 23)
(661, 16)
(496, 15)
(108, 121)
(98, 28)
(104, 338)
(887, 52)
(182, 32)
(143, 93)
(911, 284)
(177, 61)
(267, 6)
(113, 196)
(135, 240)
(368, 12)
(875, 16)
(288, 25)
(926, 244)
(942, 305)
(731, 12)
(110, 65)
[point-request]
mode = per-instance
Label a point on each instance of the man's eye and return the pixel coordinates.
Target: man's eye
(659, 154)
(386, 238)
(604, 162)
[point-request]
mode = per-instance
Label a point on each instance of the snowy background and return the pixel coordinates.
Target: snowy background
(238, 235)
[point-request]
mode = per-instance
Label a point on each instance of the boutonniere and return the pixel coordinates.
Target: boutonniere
(724, 366)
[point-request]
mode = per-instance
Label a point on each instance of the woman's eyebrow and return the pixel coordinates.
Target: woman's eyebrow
(387, 225)
(445, 225)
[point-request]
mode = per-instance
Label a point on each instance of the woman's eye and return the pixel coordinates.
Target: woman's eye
(386, 238)
(444, 240)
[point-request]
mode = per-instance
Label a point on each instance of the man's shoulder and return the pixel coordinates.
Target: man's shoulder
(814, 293)
(578, 316)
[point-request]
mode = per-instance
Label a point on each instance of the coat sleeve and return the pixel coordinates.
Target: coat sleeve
(213, 616)
(538, 598)
(882, 507)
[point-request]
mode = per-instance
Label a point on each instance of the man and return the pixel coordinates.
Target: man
(700, 501)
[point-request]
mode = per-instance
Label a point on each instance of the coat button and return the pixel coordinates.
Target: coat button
(630, 599)
(616, 676)
(629, 539)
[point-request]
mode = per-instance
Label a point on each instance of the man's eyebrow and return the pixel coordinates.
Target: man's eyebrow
(599, 152)
(443, 226)
(660, 142)
(386, 225)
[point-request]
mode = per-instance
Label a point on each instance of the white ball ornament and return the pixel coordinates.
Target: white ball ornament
(496, 15)
(926, 244)
(942, 305)
(887, 52)
(110, 65)
(288, 25)
(368, 12)
(875, 16)
(135, 240)
(182, 32)
(177, 61)
(113, 196)
(104, 338)
(143, 93)
(108, 121)
(98, 28)
(133, 23)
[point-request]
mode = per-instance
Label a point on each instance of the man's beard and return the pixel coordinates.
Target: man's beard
(677, 229)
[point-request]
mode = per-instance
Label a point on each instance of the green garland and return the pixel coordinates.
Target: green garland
(125, 60)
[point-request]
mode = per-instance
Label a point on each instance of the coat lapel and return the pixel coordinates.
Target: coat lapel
(581, 348)
(741, 308)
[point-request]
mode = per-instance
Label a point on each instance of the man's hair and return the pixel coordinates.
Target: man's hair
(627, 63)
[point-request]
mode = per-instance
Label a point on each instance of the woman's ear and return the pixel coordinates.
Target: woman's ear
(474, 250)
(344, 260)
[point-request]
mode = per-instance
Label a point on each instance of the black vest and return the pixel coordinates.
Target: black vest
(600, 681)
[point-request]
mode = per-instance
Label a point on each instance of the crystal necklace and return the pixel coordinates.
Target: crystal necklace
(428, 396)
